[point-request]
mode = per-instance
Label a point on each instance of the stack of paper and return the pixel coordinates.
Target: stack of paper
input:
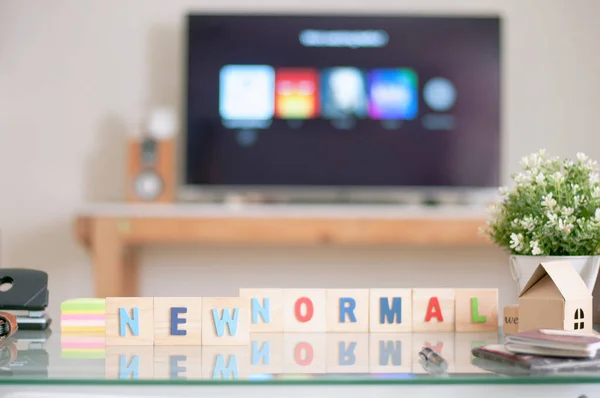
(84, 315)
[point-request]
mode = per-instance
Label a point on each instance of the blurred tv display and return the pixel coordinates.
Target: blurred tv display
(342, 101)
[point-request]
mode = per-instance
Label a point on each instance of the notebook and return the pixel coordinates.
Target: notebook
(552, 342)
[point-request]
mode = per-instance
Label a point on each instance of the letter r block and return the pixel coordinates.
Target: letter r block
(129, 321)
(178, 321)
(390, 310)
(348, 310)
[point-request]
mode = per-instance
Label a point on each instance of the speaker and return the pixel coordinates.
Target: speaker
(151, 161)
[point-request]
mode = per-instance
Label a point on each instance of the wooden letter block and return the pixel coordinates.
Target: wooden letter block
(511, 319)
(304, 310)
(390, 353)
(225, 321)
(464, 343)
(129, 363)
(442, 343)
(225, 363)
(390, 310)
(433, 310)
(347, 352)
(304, 353)
(177, 363)
(266, 310)
(266, 353)
(129, 321)
(177, 321)
(476, 310)
(348, 310)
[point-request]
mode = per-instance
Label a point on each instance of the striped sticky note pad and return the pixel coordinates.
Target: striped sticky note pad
(83, 315)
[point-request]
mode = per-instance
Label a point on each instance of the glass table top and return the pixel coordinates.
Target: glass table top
(46, 357)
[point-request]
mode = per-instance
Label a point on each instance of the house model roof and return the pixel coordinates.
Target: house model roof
(565, 278)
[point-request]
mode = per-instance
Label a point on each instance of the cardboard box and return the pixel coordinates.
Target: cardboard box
(555, 298)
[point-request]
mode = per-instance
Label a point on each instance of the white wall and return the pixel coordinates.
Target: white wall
(74, 76)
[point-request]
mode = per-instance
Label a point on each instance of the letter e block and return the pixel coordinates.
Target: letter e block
(304, 310)
(390, 310)
(511, 319)
(225, 321)
(433, 310)
(348, 310)
(266, 310)
(129, 321)
(476, 310)
(178, 321)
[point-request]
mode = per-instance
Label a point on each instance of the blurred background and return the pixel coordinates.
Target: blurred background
(76, 75)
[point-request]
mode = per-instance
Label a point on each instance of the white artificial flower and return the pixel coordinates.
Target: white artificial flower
(540, 179)
(565, 227)
(597, 215)
(594, 178)
(515, 241)
(525, 161)
(535, 248)
(548, 201)
(527, 223)
(568, 164)
(567, 211)
(503, 191)
(581, 157)
(558, 177)
(575, 187)
(552, 218)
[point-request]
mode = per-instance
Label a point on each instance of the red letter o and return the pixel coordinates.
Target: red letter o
(307, 358)
(309, 309)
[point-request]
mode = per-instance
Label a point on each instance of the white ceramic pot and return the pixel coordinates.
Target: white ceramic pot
(522, 267)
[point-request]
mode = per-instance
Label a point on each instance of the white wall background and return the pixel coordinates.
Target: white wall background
(75, 75)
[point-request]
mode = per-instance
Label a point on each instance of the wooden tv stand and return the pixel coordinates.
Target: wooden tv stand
(113, 232)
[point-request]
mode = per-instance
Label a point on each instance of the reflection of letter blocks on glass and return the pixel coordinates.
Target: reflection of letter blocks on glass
(178, 321)
(129, 363)
(266, 309)
(476, 310)
(347, 352)
(129, 321)
(226, 321)
(266, 353)
(225, 363)
(304, 353)
(177, 363)
(390, 310)
(433, 310)
(304, 310)
(348, 310)
(390, 352)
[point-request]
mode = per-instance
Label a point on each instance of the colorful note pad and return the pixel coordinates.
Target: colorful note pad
(78, 346)
(83, 315)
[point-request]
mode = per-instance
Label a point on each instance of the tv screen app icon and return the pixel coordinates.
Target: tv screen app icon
(393, 94)
(246, 92)
(296, 93)
(343, 93)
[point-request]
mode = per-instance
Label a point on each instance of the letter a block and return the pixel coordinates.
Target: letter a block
(178, 321)
(266, 310)
(476, 310)
(225, 321)
(129, 321)
(304, 310)
(390, 310)
(348, 310)
(433, 310)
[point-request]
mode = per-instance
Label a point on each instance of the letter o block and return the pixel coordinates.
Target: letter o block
(304, 310)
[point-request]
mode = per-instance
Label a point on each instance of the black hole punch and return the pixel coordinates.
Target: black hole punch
(5, 328)
(6, 283)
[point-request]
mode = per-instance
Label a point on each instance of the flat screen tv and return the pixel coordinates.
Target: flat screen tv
(334, 103)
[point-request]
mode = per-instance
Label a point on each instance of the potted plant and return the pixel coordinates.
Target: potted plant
(552, 212)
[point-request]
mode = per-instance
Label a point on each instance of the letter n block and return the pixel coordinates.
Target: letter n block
(304, 310)
(178, 321)
(390, 310)
(129, 321)
(266, 310)
(476, 310)
(348, 310)
(225, 321)
(433, 310)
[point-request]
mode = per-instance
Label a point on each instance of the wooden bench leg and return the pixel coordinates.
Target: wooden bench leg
(114, 267)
